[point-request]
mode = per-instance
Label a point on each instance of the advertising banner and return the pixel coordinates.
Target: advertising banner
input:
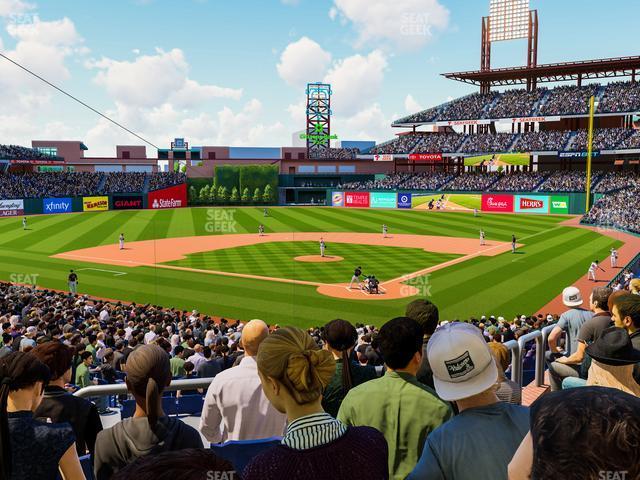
(127, 202)
(425, 157)
(447, 123)
(56, 205)
(559, 204)
(383, 200)
(11, 208)
(356, 199)
(172, 197)
(383, 158)
(532, 204)
(594, 154)
(497, 203)
(337, 199)
(404, 200)
(95, 204)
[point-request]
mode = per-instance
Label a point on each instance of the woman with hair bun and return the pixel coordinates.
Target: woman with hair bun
(294, 372)
(149, 431)
(29, 448)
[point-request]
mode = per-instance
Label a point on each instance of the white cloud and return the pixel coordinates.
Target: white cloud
(405, 24)
(302, 62)
(369, 123)
(356, 81)
(10, 8)
(411, 105)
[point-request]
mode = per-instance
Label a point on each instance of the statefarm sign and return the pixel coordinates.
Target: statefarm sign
(11, 208)
(425, 157)
(497, 203)
(172, 197)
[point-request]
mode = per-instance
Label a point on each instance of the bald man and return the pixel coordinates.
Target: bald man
(235, 408)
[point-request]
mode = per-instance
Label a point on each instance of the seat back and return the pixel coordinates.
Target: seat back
(240, 452)
(190, 405)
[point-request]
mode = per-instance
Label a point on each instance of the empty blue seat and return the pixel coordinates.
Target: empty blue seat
(87, 466)
(190, 405)
(240, 452)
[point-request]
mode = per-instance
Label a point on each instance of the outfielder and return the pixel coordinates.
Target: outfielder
(513, 244)
(592, 270)
(24, 223)
(482, 237)
(323, 246)
(356, 277)
(384, 231)
(614, 258)
(260, 230)
(121, 239)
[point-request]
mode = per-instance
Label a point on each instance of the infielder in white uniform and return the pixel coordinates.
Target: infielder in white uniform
(592, 270)
(481, 237)
(384, 231)
(260, 230)
(614, 258)
(121, 241)
(322, 247)
(24, 223)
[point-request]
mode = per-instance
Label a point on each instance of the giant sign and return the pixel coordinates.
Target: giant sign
(127, 202)
(11, 208)
(95, 204)
(56, 205)
(356, 199)
(172, 197)
(383, 200)
(532, 204)
(497, 203)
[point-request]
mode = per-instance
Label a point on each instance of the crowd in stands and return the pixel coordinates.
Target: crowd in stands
(401, 144)
(439, 143)
(399, 181)
(487, 143)
(334, 153)
(603, 139)
(73, 184)
(519, 182)
(630, 142)
(562, 100)
(617, 210)
(613, 181)
(16, 152)
(567, 181)
(473, 181)
(419, 397)
(544, 140)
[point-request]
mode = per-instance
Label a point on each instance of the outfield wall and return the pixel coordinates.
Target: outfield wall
(521, 203)
(172, 197)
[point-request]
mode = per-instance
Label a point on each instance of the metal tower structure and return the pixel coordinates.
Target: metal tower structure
(318, 134)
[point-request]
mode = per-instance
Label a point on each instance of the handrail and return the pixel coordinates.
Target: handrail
(121, 388)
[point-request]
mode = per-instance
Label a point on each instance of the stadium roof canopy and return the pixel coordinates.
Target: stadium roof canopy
(552, 72)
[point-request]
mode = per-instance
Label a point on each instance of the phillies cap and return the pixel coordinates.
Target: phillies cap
(462, 363)
(571, 297)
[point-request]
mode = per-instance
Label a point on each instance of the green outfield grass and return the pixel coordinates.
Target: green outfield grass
(508, 158)
(277, 260)
(464, 200)
(552, 257)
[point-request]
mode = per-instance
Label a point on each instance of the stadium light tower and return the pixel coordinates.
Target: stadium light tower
(318, 135)
(509, 20)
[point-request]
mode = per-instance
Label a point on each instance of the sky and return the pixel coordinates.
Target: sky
(233, 72)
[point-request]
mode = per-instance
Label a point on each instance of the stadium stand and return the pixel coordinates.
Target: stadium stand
(16, 152)
(617, 210)
(544, 140)
(335, 153)
(566, 181)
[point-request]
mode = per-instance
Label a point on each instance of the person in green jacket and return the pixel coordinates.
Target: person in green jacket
(399, 406)
(177, 362)
(82, 372)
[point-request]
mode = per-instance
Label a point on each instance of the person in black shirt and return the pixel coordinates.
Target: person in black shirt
(356, 277)
(73, 282)
(513, 244)
(58, 405)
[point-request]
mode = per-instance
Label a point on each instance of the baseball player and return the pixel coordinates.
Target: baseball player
(260, 230)
(592, 270)
(513, 244)
(475, 212)
(121, 239)
(323, 246)
(24, 223)
(265, 213)
(72, 281)
(356, 277)
(482, 237)
(384, 231)
(614, 258)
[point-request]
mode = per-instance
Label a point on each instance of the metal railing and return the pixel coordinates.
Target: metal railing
(517, 349)
(121, 388)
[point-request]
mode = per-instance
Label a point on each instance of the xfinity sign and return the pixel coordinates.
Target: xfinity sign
(56, 205)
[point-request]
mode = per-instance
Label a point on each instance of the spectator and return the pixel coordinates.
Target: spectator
(340, 338)
(626, 314)
(186, 464)
(59, 405)
(7, 343)
(177, 362)
(464, 371)
(570, 323)
(198, 357)
(235, 408)
(211, 367)
(399, 406)
(508, 391)
(613, 360)
(427, 315)
(30, 448)
(580, 433)
(149, 430)
(294, 372)
(83, 378)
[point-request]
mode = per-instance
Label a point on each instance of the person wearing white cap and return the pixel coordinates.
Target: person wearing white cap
(465, 372)
(570, 323)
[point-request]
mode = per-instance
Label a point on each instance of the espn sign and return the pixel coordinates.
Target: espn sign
(172, 197)
(532, 204)
(425, 157)
(497, 203)
(11, 208)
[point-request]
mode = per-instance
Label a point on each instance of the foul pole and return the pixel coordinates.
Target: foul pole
(589, 152)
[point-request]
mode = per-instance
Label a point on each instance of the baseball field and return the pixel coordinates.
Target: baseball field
(213, 260)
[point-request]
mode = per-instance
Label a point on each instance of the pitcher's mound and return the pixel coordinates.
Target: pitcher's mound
(318, 258)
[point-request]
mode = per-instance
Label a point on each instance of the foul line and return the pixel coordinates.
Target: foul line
(116, 274)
